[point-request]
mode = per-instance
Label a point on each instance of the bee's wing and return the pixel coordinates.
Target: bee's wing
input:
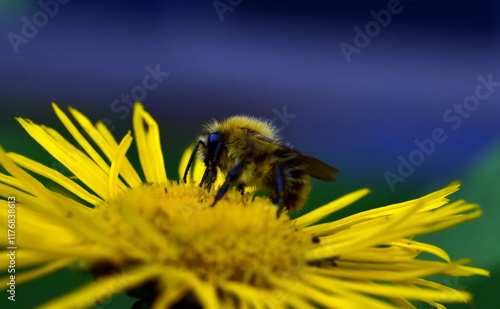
(315, 167)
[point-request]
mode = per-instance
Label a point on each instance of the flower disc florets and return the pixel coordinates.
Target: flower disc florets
(175, 225)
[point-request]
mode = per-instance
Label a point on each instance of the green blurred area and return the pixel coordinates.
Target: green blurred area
(14, 3)
(12, 8)
(477, 239)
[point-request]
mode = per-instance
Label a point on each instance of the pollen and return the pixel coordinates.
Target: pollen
(174, 225)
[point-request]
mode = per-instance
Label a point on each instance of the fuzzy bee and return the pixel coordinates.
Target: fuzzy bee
(248, 151)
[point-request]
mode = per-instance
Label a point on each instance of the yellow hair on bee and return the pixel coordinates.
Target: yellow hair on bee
(260, 126)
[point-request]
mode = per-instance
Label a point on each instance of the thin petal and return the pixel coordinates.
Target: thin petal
(93, 133)
(38, 272)
(127, 171)
(386, 290)
(55, 176)
(415, 245)
(244, 291)
(323, 211)
(117, 164)
(80, 139)
(204, 292)
(319, 296)
(297, 302)
(170, 295)
(26, 258)
(148, 145)
(11, 182)
(183, 163)
(72, 158)
(402, 303)
(428, 202)
(103, 287)
(406, 271)
(24, 178)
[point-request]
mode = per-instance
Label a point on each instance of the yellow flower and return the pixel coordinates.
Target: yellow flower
(159, 240)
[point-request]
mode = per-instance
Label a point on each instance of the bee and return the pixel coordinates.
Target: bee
(249, 152)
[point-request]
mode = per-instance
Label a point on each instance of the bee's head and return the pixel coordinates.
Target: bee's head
(214, 145)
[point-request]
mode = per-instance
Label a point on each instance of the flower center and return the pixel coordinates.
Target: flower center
(238, 239)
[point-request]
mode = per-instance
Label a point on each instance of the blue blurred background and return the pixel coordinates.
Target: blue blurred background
(401, 96)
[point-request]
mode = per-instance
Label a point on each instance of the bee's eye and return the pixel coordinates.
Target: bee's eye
(214, 139)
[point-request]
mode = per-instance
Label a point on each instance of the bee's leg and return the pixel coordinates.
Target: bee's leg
(280, 186)
(204, 177)
(241, 188)
(212, 167)
(191, 159)
(231, 177)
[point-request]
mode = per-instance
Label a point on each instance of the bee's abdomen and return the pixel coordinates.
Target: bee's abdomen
(297, 182)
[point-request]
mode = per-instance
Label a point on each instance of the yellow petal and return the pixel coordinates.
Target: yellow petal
(168, 296)
(55, 176)
(103, 287)
(406, 271)
(204, 292)
(183, 163)
(244, 291)
(127, 171)
(36, 188)
(415, 245)
(73, 159)
(148, 145)
(117, 164)
(323, 211)
(428, 202)
(92, 132)
(38, 272)
(319, 296)
(386, 290)
(80, 139)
